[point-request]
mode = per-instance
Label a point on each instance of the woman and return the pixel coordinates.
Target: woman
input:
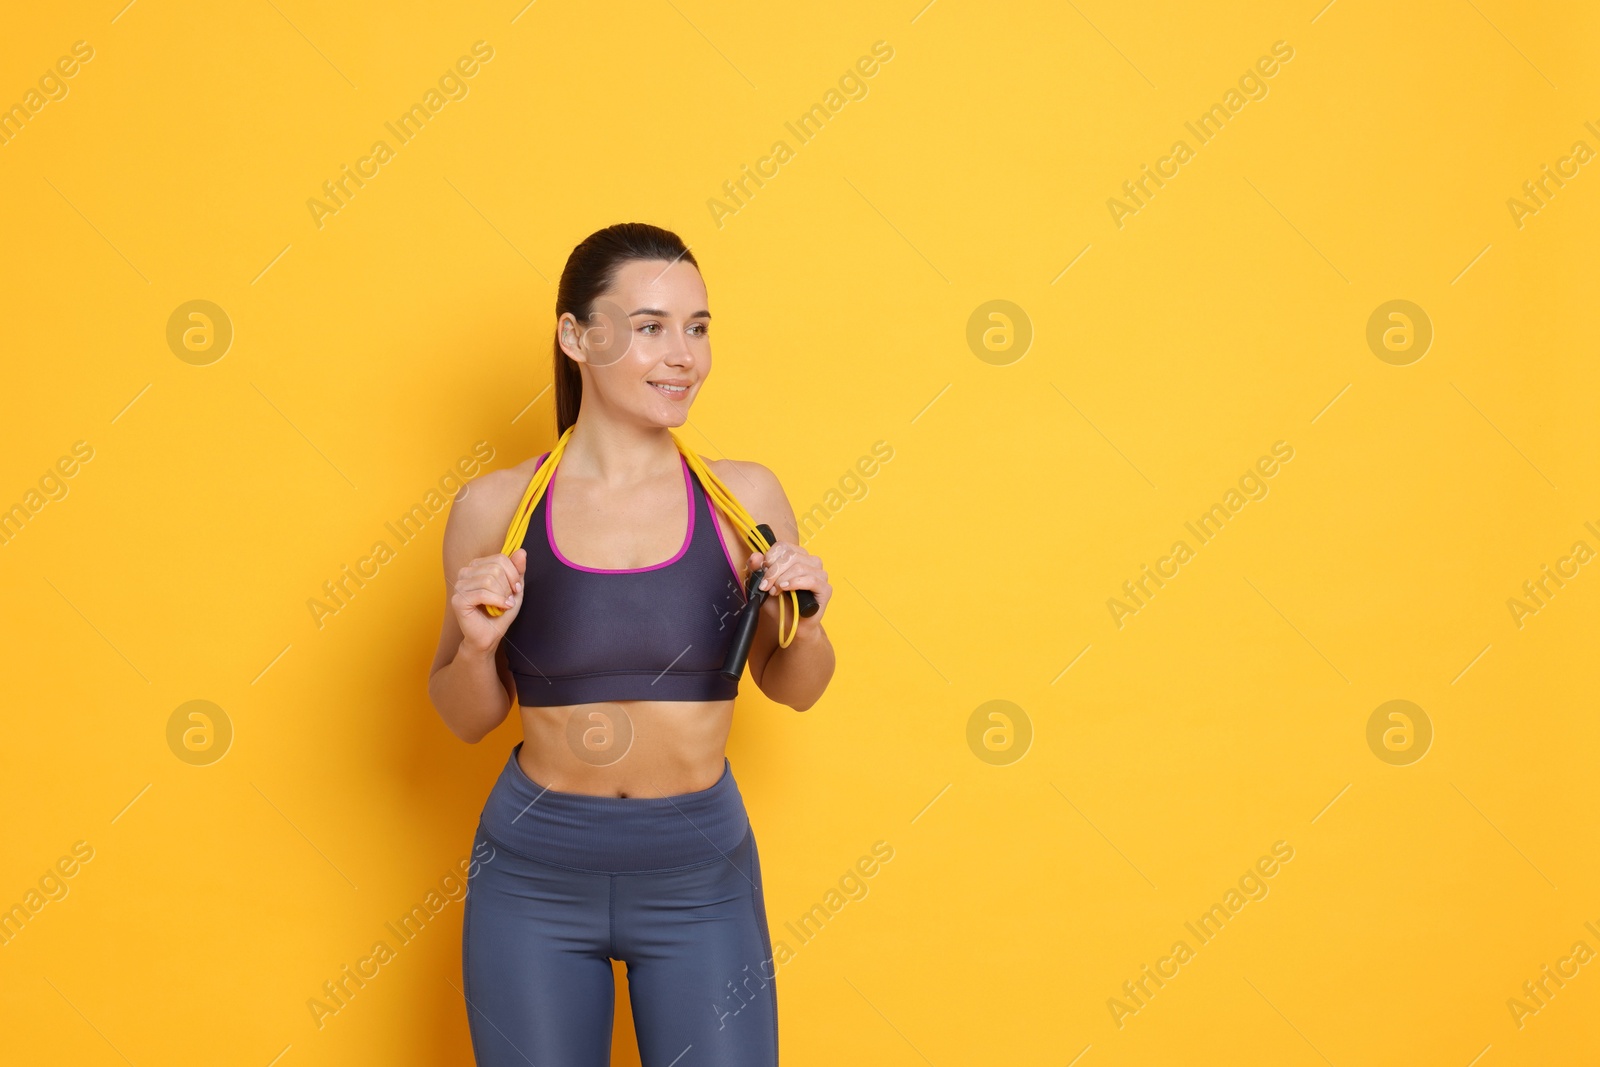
(616, 828)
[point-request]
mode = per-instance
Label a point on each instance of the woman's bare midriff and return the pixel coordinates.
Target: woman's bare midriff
(626, 748)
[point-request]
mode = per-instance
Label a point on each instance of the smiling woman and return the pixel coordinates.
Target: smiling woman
(593, 587)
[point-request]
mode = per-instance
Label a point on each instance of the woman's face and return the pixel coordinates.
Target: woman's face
(646, 345)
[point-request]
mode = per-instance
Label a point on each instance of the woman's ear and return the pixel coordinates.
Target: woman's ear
(570, 337)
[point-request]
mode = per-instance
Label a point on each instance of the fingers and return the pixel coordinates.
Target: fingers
(490, 580)
(793, 575)
(509, 567)
(791, 568)
(487, 574)
(479, 589)
(759, 561)
(769, 580)
(788, 568)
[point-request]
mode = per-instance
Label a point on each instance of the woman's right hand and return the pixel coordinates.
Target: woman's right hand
(496, 580)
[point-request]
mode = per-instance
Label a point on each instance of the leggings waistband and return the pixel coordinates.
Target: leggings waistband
(614, 835)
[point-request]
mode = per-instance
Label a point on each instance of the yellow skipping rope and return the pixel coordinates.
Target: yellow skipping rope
(720, 495)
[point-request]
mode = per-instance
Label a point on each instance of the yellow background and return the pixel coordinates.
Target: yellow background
(1230, 313)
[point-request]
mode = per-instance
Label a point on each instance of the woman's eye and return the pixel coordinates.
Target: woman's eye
(700, 326)
(649, 325)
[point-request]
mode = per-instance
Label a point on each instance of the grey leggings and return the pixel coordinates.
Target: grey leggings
(669, 885)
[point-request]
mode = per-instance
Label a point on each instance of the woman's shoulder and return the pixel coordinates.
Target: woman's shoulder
(498, 486)
(756, 486)
(743, 475)
(481, 512)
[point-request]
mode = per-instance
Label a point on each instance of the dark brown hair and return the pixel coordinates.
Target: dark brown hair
(590, 270)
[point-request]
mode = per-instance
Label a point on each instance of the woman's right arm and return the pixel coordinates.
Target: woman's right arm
(470, 683)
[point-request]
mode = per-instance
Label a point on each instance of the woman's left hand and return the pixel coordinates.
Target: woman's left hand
(790, 568)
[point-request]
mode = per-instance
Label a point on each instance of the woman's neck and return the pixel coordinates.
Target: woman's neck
(616, 453)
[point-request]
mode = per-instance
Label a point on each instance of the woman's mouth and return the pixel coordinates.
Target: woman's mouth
(673, 391)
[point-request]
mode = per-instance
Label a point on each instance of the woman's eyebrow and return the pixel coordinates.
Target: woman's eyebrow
(701, 314)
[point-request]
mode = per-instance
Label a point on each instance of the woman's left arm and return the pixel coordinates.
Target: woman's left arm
(797, 675)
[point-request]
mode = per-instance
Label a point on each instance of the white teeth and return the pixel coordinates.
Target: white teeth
(670, 388)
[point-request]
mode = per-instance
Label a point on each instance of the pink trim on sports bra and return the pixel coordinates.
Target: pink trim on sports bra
(738, 579)
(688, 534)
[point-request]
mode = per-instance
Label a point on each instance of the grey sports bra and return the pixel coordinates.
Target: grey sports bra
(586, 634)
